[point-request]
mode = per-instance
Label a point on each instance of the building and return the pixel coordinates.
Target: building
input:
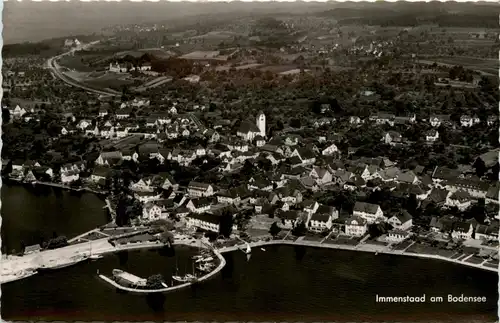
(196, 189)
(151, 212)
(248, 131)
(109, 158)
(320, 222)
(199, 205)
(370, 212)
(288, 219)
(261, 123)
(401, 221)
(356, 226)
(462, 230)
(432, 135)
(205, 221)
(397, 236)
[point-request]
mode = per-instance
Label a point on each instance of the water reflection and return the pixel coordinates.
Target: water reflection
(156, 301)
(122, 258)
(300, 252)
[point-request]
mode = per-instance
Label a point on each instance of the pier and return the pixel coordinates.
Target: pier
(222, 263)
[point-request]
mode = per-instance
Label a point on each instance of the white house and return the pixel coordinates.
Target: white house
(248, 131)
(397, 236)
(461, 199)
(288, 219)
(330, 150)
(320, 222)
(321, 175)
(69, 177)
(401, 221)
(205, 221)
(310, 207)
(462, 230)
(142, 185)
(356, 226)
(84, 124)
(432, 135)
(370, 212)
(151, 212)
(109, 158)
(199, 205)
(196, 189)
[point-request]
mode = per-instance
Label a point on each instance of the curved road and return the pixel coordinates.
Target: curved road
(52, 64)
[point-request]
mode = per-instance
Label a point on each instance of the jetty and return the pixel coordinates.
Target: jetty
(222, 263)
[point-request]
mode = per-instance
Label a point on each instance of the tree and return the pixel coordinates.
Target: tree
(155, 281)
(5, 116)
(274, 230)
(122, 217)
(226, 224)
(300, 229)
(480, 167)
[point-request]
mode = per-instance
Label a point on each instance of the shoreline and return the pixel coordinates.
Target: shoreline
(370, 249)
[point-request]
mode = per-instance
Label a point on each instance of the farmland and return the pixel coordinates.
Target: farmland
(488, 66)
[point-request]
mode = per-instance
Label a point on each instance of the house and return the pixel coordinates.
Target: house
(322, 175)
(84, 124)
(489, 158)
(248, 131)
(408, 177)
(431, 135)
(142, 185)
(468, 121)
(310, 206)
(330, 150)
(356, 226)
(288, 219)
(123, 113)
(328, 210)
(205, 221)
(199, 205)
(397, 236)
(461, 199)
(401, 221)
(370, 212)
(320, 222)
(462, 230)
(492, 196)
(100, 174)
(151, 212)
(305, 155)
(475, 187)
(109, 158)
(355, 120)
(260, 183)
(383, 118)
(487, 232)
(145, 197)
(69, 177)
(491, 120)
(437, 120)
(196, 189)
(392, 138)
(260, 141)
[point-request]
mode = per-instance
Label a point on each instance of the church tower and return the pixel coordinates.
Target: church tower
(261, 123)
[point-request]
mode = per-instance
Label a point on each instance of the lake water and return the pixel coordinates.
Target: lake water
(283, 283)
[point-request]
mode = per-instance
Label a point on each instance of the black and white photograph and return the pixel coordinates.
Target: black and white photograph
(250, 161)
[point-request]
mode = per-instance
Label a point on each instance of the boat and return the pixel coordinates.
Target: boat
(262, 249)
(45, 268)
(206, 267)
(248, 250)
(207, 259)
(164, 285)
(91, 256)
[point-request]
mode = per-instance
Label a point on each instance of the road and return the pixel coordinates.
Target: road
(52, 64)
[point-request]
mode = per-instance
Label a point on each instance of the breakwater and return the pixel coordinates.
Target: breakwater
(222, 263)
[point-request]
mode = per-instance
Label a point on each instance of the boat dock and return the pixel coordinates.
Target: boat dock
(129, 278)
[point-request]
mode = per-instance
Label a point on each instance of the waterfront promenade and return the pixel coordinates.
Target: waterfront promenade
(13, 267)
(361, 247)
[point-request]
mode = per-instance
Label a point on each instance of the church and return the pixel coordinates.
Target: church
(248, 130)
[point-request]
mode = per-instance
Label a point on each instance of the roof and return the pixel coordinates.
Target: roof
(101, 171)
(493, 192)
(445, 173)
(288, 215)
(201, 202)
(321, 217)
(325, 209)
(305, 153)
(366, 207)
(404, 216)
(359, 220)
(438, 195)
(490, 158)
(198, 186)
(247, 127)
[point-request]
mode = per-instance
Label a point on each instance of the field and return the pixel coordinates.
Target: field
(111, 81)
(75, 63)
(156, 52)
(489, 66)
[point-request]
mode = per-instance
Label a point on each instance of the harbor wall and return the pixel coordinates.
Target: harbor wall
(222, 263)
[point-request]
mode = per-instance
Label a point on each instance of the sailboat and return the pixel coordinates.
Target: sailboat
(93, 257)
(248, 250)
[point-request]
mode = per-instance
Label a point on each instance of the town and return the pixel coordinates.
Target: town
(297, 130)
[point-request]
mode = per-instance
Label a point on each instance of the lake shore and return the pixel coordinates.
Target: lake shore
(362, 247)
